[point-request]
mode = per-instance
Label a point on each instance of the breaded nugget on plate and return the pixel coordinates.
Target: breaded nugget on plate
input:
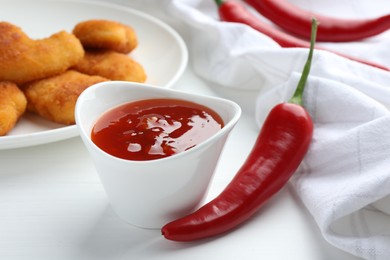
(12, 106)
(55, 98)
(23, 59)
(111, 65)
(106, 34)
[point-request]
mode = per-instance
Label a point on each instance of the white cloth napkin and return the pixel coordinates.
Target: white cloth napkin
(344, 180)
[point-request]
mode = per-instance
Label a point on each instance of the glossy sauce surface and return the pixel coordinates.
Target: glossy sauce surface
(154, 128)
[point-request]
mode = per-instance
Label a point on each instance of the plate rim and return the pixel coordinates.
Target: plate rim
(66, 132)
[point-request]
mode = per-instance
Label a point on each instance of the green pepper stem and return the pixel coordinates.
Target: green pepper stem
(297, 97)
(219, 2)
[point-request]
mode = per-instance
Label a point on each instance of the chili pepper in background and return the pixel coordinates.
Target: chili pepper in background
(298, 21)
(280, 147)
(234, 11)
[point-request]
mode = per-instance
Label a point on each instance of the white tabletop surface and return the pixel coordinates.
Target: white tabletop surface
(53, 206)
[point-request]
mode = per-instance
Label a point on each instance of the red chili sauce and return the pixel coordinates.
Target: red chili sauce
(154, 128)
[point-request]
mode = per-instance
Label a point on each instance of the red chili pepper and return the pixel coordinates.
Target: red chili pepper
(298, 21)
(233, 11)
(278, 151)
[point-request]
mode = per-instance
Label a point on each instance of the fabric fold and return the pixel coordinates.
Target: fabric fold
(347, 169)
(344, 180)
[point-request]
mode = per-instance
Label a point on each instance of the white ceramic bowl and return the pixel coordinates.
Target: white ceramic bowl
(151, 193)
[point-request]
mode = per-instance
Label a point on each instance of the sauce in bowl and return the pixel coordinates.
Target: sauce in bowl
(154, 128)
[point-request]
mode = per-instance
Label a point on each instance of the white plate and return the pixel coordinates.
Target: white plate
(161, 51)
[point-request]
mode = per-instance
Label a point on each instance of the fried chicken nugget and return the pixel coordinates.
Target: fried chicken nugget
(12, 106)
(55, 98)
(106, 34)
(23, 59)
(111, 65)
